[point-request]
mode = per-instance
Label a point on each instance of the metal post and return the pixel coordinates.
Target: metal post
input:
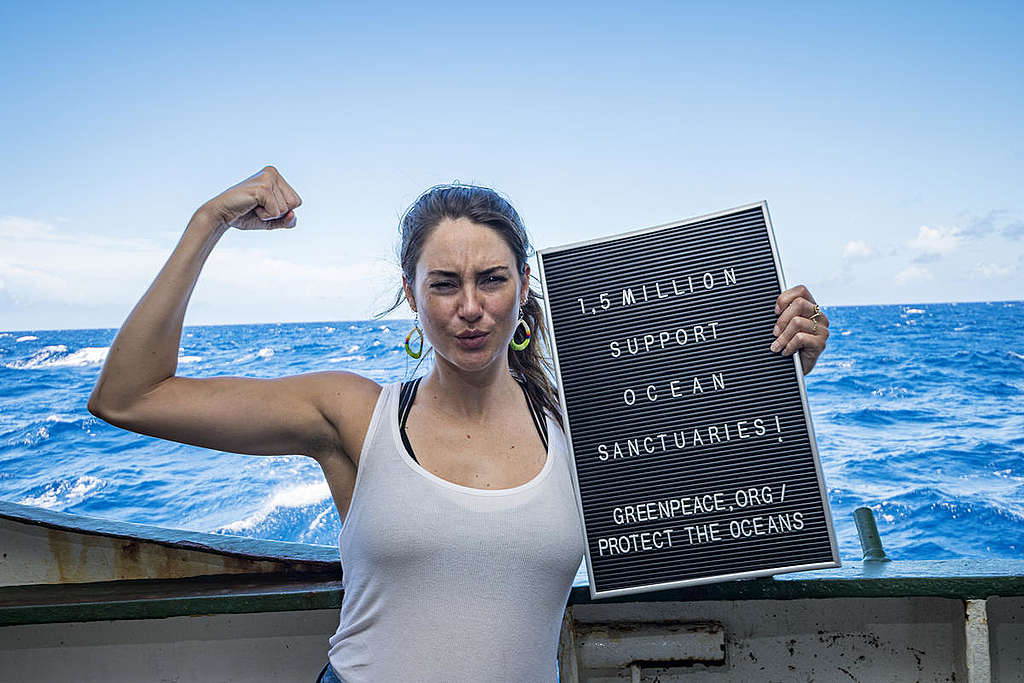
(568, 667)
(870, 542)
(979, 661)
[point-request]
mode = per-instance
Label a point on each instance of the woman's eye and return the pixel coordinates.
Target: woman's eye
(496, 278)
(443, 285)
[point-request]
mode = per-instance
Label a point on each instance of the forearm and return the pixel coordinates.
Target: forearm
(145, 350)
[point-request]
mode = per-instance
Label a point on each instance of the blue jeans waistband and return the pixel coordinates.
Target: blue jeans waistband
(327, 675)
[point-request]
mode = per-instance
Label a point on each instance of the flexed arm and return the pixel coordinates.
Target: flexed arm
(139, 391)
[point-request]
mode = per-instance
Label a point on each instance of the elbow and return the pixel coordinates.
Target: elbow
(97, 410)
(101, 409)
(94, 409)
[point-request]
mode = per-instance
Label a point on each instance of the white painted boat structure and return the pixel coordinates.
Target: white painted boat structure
(86, 599)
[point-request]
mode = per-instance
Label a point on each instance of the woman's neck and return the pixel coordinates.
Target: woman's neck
(469, 395)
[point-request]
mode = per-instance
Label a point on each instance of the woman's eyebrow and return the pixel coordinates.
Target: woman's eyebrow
(451, 273)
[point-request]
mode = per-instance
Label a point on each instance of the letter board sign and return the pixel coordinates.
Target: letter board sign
(693, 452)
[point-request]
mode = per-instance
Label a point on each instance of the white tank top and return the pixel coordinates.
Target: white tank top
(445, 582)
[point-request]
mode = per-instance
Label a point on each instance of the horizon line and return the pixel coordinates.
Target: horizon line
(363, 320)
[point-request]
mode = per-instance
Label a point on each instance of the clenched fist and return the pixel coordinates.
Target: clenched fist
(263, 201)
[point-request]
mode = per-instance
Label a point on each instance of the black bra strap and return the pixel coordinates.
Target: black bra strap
(408, 394)
(405, 399)
(537, 413)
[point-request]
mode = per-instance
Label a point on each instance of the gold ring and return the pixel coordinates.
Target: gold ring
(817, 312)
(815, 328)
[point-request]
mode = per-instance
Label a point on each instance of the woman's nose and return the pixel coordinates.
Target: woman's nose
(470, 306)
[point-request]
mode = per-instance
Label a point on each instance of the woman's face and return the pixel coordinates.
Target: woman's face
(467, 293)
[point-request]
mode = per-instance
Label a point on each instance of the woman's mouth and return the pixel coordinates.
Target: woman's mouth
(474, 339)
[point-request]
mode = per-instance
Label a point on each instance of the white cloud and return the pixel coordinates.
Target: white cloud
(937, 241)
(44, 265)
(857, 250)
(18, 228)
(912, 274)
(991, 271)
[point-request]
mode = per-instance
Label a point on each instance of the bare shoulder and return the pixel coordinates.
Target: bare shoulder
(346, 400)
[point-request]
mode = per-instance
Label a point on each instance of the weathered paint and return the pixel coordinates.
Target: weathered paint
(979, 668)
(833, 639)
(44, 547)
(268, 647)
(1006, 637)
(864, 621)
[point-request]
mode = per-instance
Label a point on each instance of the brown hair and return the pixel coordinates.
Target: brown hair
(484, 206)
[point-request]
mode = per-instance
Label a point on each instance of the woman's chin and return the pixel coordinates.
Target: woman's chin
(471, 360)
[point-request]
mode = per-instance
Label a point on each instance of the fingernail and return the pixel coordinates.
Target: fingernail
(775, 346)
(777, 309)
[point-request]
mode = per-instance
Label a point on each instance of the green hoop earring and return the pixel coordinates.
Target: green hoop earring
(416, 328)
(519, 346)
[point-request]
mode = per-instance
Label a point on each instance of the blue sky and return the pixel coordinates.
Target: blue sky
(886, 139)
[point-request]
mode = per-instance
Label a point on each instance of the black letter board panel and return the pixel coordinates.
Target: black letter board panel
(692, 446)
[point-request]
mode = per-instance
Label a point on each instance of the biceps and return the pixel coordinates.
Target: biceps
(234, 414)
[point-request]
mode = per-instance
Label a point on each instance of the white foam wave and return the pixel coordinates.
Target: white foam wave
(1017, 355)
(302, 495)
(265, 352)
(321, 518)
(845, 333)
(27, 337)
(344, 359)
(35, 437)
(67, 492)
(50, 357)
(189, 359)
(353, 348)
(39, 358)
(89, 355)
(328, 329)
(913, 310)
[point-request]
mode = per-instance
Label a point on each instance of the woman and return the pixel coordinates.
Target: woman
(460, 548)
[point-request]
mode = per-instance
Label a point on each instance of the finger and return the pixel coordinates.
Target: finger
(293, 198)
(276, 204)
(263, 209)
(808, 343)
(798, 307)
(288, 220)
(787, 297)
(796, 327)
(270, 199)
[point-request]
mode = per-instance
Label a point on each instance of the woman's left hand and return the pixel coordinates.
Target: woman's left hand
(801, 326)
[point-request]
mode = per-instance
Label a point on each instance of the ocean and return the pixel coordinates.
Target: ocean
(918, 412)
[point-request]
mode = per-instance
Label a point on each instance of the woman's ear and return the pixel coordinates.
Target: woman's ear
(409, 298)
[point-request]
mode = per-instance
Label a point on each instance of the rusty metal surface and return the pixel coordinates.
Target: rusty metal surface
(43, 547)
(146, 599)
(838, 639)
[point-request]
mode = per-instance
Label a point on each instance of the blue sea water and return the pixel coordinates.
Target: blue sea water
(918, 412)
